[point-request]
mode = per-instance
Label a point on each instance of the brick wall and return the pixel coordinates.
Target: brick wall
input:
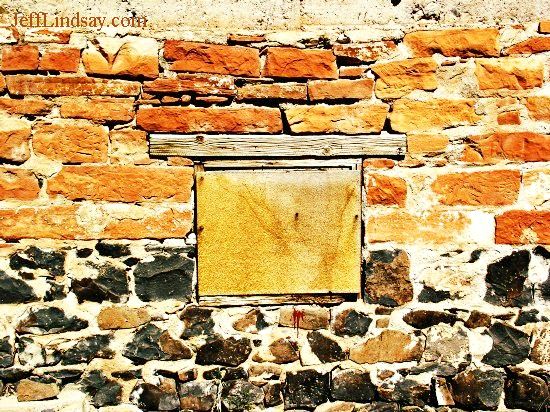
(97, 264)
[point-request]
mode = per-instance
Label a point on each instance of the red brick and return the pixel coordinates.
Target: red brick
(25, 106)
(14, 139)
(288, 62)
(340, 89)
(386, 190)
(71, 142)
(19, 58)
(493, 188)
(509, 118)
(18, 184)
(70, 86)
(275, 91)
(123, 183)
(61, 60)
(196, 83)
(539, 107)
(515, 146)
(509, 73)
(455, 42)
(523, 227)
(191, 120)
(212, 58)
(98, 109)
(530, 46)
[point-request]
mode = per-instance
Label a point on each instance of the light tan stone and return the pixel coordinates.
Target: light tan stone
(122, 317)
(390, 346)
(313, 317)
(28, 390)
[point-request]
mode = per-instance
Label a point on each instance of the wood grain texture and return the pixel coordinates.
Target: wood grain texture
(303, 299)
(205, 146)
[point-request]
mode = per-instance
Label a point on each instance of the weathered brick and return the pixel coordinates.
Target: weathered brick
(212, 58)
(70, 86)
(19, 58)
(535, 186)
(123, 183)
(340, 89)
(544, 26)
(103, 109)
(530, 46)
(509, 73)
(508, 118)
(426, 143)
(356, 118)
(492, 188)
(61, 60)
(515, 146)
(365, 52)
(128, 56)
(378, 163)
(190, 120)
(2, 83)
(14, 139)
(399, 78)
(196, 83)
(351, 72)
(129, 147)
(40, 35)
(19, 184)
(71, 142)
(431, 227)
(455, 42)
(412, 115)
(523, 227)
(25, 106)
(386, 190)
(539, 107)
(300, 63)
(95, 222)
(275, 91)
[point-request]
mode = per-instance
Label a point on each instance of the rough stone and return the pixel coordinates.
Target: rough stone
(229, 352)
(422, 319)
(380, 407)
(280, 351)
(13, 290)
(447, 345)
(528, 392)
(399, 78)
(35, 258)
(275, 91)
(157, 398)
(290, 62)
(387, 278)
(506, 280)
(273, 394)
(454, 42)
(306, 389)
(103, 391)
(538, 107)
(96, 346)
(428, 294)
(509, 73)
(197, 321)
(198, 396)
(253, 322)
(239, 395)
(389, 346)
(122, 317)
(145, 345)
(313, 317)
(44, 321)
(326, 349)
(14, 139)
(352, 386)
(540, 353)
(510, 346)
(523, 227)
(510, 146)
(406, 391)
(33, 390)
(6, 353)
(478, 389)
(111, 284)
(478, 319)
(319, 90)
(350, 322)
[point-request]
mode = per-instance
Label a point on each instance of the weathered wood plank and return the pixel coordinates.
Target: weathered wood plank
(343, 163)
(256, 300)
(276, 145)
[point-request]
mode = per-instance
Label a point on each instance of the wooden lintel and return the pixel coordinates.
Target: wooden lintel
(257, 300)
(270, 146)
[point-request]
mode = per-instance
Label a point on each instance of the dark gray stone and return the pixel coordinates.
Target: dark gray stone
(527, 316)
(273, 394)
(349, 322)
(477, 320)
(50, 320)
(422, 319)
(380, 407)
(198, 396)
(197, 321)
(168, 276)
(541, 251)
(103, 391)
(6, 353)
(326, 349)
(523, 391)
(96, 346)
(113, 250)
(478, 389)
(111, 284)
(240, 395)
(510, 346)
(428, 294)
(56, 292)
(154, 398)
(506, 280)
(306, 389)
(13, 290)
(35, 258)
(352, 386)
(145, 345)
(406, 392)
(225, 374)
(84, 253)
(227, 352)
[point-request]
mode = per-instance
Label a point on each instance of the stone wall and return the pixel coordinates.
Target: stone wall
(98, 284)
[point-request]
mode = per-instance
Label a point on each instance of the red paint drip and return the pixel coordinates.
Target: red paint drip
(297, 316)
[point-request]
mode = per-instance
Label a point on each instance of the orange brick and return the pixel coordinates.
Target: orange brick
(123, 183)
(14, 139)
(276, 91)
(61, 60)
(70, 86)
(98, 109)
(2, 83)
(340, 89)
(300, 63)
(399, 78)
(71, 142)
(494, 188)
(25, 106)
(455, 42)
(530, 46)
(212, 58)
(509, 73)
(351, 72)
(517, 146)
(386, 190)
(190, 120)
(426, 143)
(411, 115)
(377, 163)
(523, 227)
(19, 58)
(508, 118)
(39, 35)
(19, 184)
(544, 26)
(539, 107)
(197, 83)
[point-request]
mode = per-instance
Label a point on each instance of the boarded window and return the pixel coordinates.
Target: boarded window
(278, 232)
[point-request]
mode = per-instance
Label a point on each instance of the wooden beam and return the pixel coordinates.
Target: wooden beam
(303, 163)
(257, 300)
(242, 146)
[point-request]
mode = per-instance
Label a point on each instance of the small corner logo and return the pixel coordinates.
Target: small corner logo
(40, 19)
